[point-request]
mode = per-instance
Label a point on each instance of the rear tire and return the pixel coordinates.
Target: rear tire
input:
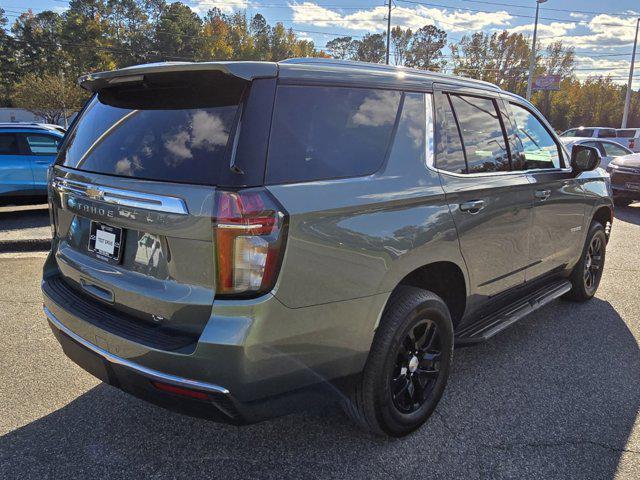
(587, 273)
(408, 365)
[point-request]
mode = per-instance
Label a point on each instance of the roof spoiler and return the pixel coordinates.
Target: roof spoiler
(244, 70)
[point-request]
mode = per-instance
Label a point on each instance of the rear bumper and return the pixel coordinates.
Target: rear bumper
(217, 403)
(254, 359)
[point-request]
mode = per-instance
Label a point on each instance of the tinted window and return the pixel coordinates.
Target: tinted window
(450, 155)
(163, 134)
(8, 144)
(329, 132)
(42, 144)
(482, 134)
(626, 133)
(409, 141)
(606, 132)
(569, 133)
(538, 146)
(583, 132)
(613, 150)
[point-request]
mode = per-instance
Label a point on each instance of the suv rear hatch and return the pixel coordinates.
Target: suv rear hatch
(133, 194)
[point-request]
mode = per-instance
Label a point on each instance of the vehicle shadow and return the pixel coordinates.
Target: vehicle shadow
(630, 214)
(555, 396)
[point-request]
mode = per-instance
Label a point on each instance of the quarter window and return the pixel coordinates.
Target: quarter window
(482, 134)
(8, 144)
(409, 140)
(329, 132)
(42, 144)
(538, 146)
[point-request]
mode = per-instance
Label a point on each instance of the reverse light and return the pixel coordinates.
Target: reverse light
(249, 229)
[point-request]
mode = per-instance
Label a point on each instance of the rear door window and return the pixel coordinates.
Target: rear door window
(630, 133)
(42, 144)
(177, 133)
(584, 132)
(613, 150)
(482, 134)
(606, 133)
(329, 132)
(9, 144)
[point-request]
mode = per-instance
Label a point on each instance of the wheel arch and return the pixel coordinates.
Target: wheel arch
(444, 278)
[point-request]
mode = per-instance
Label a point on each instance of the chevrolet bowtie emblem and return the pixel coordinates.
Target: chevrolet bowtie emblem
(94, 193)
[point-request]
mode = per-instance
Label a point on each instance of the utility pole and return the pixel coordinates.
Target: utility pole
(532, 60)
(388, 33)
(627, 101)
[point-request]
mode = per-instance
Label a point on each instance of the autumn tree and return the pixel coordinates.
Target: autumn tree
(425, 50)
(178, 34)
(371, 48)
(52, 97)
(400, 41)
(343, 48)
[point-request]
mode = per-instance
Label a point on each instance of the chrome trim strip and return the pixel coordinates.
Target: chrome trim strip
(147, 372)
(125, 198)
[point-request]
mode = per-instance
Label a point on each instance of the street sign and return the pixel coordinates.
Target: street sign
(547, 82)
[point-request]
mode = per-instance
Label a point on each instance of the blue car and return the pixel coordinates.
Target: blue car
(26, 151)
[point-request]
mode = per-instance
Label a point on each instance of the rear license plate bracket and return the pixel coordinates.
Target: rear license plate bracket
(105, 241)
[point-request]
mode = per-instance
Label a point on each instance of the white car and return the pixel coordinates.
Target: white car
(590, 132)
(629, 137)
(608, 148)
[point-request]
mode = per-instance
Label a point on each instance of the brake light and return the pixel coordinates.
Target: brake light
(632, 144)
(249, 229)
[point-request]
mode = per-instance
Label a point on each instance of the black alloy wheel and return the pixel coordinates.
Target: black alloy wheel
(417, 367)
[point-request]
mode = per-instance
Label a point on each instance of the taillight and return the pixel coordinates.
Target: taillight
(632, 144)
(250, 229)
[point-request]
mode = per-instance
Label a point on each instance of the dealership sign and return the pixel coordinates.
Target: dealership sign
(547, 82)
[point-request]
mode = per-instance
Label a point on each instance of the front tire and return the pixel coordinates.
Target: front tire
(587, 273)
(408, 365)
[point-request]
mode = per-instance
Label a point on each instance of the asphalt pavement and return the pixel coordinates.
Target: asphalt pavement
(555, 396)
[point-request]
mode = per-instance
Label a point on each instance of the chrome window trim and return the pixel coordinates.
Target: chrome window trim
(121, 197)
(142, 370)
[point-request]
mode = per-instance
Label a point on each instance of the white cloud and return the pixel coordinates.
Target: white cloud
(373, 19)
(554, 29)
(606, 32)
(228, 6)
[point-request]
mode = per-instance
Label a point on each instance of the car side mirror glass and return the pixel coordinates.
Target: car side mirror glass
(584, 159)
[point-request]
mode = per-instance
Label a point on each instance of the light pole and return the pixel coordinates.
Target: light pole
(386, 57)
(627, 100)
(532, 60)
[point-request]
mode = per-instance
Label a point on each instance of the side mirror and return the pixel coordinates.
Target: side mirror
(584, 159)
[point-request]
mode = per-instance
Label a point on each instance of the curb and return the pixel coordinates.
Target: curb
(26, 245)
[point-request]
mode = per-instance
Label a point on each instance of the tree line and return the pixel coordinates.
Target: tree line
(41, 54)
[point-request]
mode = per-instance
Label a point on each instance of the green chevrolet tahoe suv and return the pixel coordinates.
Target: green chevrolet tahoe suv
(237, 240)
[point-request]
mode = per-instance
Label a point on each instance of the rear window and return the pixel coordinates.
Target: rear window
(329, 132)
(626, 133)
(157, 131)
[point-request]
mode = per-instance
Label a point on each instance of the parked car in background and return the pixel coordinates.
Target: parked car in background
(26, 152)
(608, 148)
(232, 239)
(625, 179)
(591, 132)
(629, 137)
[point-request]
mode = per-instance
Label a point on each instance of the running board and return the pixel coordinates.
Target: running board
(492, 324)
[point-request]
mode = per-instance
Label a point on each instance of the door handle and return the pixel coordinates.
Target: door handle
(543, 194)
(472, 207)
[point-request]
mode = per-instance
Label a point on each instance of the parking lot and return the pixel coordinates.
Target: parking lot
(557, 395)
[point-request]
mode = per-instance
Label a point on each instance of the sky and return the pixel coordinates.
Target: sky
(601, 32)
